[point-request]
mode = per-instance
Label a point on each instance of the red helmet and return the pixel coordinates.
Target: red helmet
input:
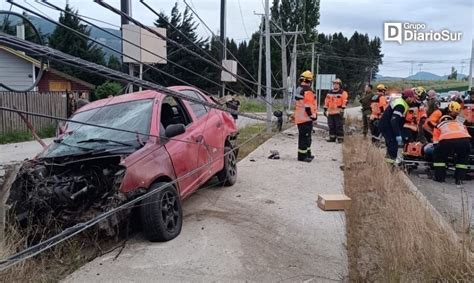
(407, 93)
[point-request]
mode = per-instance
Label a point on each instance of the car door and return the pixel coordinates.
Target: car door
(183, 149)
(212, 141)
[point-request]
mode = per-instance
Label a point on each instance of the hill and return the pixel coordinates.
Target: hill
(47, 28)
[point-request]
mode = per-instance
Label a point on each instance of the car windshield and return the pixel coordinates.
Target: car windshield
(132, 116)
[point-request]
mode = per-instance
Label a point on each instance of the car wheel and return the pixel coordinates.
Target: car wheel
(161, 214)
(228, 175)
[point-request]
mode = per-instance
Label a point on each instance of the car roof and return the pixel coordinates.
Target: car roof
(146, 94)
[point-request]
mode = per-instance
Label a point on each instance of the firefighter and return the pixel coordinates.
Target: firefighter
(416, 116)
(305, 114)
(378, 104)
(391, 123)
(468, 114)
(432, 103)
(451, 137)
(365, 101)
(334, 106)
(431, 122)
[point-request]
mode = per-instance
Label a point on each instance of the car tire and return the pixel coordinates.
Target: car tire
(228, 175)
(161, 214)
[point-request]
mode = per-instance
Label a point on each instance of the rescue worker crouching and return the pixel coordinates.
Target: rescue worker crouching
(378, 105)
(305, 114)
(391, 123)
(334, 106)
(451, 137)
(414, 119)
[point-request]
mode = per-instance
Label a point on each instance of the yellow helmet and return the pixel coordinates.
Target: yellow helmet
(419, 91)
(381, 87)
(454, 107)
(306, 75)
(337, 81)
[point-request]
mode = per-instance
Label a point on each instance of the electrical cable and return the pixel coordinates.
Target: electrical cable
(106, 72)
(106, 46)
(40, 40)
(79, 227)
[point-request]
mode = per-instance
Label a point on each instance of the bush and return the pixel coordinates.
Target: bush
(108, 88)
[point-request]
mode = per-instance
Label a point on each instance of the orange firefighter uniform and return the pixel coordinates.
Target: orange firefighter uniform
(305, 114)
(334, 105)
(451, 137)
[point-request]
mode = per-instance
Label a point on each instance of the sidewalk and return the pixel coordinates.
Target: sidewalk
(20, 151)
(267, 227)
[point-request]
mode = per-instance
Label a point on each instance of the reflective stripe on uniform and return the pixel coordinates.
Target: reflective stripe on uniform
(461, 166)
(400, 101)
(398, 113)
(452, 129)
(390, 161)
(439, 164)
(302, 151)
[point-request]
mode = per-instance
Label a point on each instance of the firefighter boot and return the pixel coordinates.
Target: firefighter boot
(440, 174)
(331, 139)
(459, 175)
(310, 156)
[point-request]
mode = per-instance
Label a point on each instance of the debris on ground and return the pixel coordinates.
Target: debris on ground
(274, 154)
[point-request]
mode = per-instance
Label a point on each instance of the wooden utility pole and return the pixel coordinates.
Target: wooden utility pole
(8, 179)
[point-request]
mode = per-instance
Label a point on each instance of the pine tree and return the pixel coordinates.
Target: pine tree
(73, 44)
(114, 63)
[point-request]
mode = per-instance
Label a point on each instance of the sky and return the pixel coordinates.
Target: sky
(346, 16)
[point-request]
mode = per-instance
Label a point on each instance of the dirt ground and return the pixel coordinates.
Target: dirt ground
(266, 228)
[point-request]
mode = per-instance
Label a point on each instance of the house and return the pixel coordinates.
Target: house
(19, 71)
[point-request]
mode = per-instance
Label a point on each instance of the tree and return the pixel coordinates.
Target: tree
(76, 45)
(114, 63)
(453, 75)
(108, 88)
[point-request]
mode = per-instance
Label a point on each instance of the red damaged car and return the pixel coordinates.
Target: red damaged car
(88, 170)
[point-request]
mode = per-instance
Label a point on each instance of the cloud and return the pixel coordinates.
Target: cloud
(346, 16)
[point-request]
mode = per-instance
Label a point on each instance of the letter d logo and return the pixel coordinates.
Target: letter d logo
(392, 32)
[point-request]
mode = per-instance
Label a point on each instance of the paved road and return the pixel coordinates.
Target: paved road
(266, 228)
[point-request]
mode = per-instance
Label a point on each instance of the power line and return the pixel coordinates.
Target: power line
(52, 6)
(80, 227)
(56, 55)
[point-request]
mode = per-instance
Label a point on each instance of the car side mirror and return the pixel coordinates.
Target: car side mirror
(174, 130)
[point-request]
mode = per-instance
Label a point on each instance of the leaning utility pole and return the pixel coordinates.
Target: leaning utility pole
(223, 41)
(260, 47)
(268, 71)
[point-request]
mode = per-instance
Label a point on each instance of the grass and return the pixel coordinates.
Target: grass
(22, 136)
(254, 105)
(250, 131)
(439, 86)
(390, 236)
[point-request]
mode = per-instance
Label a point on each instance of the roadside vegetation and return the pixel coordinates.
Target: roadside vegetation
(438, 86)
(391, 237)
(22, 136)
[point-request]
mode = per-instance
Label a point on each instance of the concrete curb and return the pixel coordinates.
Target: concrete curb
(437, 217)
